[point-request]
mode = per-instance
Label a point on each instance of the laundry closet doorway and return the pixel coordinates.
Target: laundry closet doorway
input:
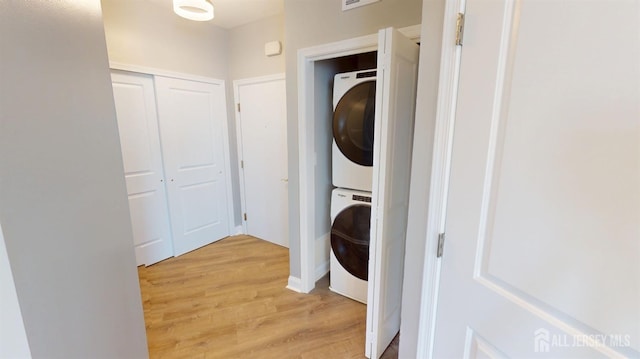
(397, 72)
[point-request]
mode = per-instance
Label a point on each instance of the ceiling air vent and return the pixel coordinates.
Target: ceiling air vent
(350, 4)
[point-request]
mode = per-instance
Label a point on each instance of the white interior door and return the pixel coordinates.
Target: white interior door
(395, 110)
(542, 250)
(262, 138)
(139, 138)
(193, 131)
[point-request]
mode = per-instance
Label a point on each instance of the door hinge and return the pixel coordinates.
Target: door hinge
(440, 245)
(241, 164)
(459, 29)
(245, 216)
(238, 106)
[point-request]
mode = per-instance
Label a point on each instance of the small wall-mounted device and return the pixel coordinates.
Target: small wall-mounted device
(351, 4)
(272, 48)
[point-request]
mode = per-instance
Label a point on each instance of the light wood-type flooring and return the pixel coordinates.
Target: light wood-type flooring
(228, 300)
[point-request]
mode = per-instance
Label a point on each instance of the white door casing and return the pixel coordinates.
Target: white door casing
(542, 256)
(139, 139)
(395, 110)
(195, 148)
(262, 146)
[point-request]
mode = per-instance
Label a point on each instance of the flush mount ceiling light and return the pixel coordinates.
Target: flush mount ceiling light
(197, 10)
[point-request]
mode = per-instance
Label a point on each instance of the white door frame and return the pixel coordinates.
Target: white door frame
(225, 125)
(437, 207)
(306, 141)
(239, 143)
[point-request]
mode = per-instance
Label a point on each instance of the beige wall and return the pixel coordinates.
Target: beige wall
(63, 201)
(146, 34)
(246, 48)
(316, 22)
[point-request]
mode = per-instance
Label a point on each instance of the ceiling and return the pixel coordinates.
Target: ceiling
(232, 13)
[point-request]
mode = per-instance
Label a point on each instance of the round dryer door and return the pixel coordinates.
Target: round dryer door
(353, 123)
(350, 239)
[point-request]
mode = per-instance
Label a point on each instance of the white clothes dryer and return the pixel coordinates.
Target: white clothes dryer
(350, 231)
(354, 102)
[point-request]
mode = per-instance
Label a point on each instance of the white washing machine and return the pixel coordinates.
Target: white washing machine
(350, 231)
(354, 102)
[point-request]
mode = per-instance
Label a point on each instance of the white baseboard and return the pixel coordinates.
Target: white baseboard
(295, 284)
(239, 230)
(322, 270)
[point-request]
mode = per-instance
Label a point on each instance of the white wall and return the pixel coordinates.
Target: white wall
(316, 22)
(63, 204)
(147, 34)
(13, 338)
(246, 48)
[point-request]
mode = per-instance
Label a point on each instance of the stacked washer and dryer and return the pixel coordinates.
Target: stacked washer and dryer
(354, 95)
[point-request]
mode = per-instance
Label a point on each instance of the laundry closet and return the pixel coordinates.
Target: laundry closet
(350, 150)
(355, 161)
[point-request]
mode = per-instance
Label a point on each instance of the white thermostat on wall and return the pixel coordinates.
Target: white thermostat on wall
(351, 4)
(273, 48)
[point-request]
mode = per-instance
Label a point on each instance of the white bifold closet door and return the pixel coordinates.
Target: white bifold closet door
(395, 111)
(174, 138)
(192, 117)
(139, 138)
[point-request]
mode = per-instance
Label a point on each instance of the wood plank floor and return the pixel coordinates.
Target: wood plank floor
(228, 300)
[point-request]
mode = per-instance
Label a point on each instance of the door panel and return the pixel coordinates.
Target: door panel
(395, 110)
(263, 146)
(199, 203)
(544, 203)
(139, 138)
(192, 130)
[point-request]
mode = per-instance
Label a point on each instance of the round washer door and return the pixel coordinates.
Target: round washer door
(350, 239)
(353, 123)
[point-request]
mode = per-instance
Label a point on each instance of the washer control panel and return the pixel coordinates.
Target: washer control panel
(359, 198)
